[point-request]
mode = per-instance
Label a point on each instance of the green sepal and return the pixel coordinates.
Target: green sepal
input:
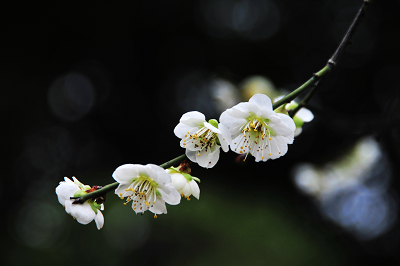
(95, 206)
(80, 193)
(195, 178)
(281, 109)
(186, 175)
(213, 122)
(174, 169)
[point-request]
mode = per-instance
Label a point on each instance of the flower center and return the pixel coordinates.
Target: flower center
(203, 139)
(256, 138)
(144, 193)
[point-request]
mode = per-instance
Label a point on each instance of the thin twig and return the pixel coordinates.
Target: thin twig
(332, 62)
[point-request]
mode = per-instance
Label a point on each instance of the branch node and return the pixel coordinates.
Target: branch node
(331, 62)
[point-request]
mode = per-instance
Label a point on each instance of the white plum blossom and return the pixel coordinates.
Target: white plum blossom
(147, 186)
(303, 115)
(202, 139)
(257, 129)
(184, 183)
(84, 213)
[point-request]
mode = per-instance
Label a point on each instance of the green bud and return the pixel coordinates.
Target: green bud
(213, 122)
(298, 122)
(291, 106)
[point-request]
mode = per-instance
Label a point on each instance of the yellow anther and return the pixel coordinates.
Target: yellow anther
(262, 157)
(120, 194)
(269, 154)
(184, 140)
(241, 151)
(155, 215)
(241, 147)
(255, 129)
(252, 125)
(74, 217)
(134, 208)
(121, 197)
(184, 144)
(269, 138)
(124, 203)
(154, 202)
(187, 197)
(185, 136)
(198, 154)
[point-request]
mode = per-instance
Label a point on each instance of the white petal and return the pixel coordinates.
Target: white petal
(126, 173)
(121, 189)
(158, 174)
(305, 115)
(65, 190)
(181, 130)
(194, 187)
(225, 137)
(233, 117)
(191, 144)
(288, 121)
(192, 155)
(178, 181)
(83, 213)
(193, 119)
(298, 131)
(208, 159)
(170, 194)
(99, 220)
(212, 128)
(241, 146)
(262, 101)
(159, 207)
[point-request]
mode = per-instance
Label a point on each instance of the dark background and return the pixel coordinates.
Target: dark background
(89, 86)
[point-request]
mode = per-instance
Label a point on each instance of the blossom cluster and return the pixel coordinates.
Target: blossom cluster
(251, 127)
(247, 128)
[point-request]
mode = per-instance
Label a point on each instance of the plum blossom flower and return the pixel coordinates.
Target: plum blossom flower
(303, 115)
(84, 213)
(183, 181)
(257, 129)
(202, 139)
(147, 186)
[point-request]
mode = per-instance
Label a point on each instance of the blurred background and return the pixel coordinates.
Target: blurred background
(90, 86)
